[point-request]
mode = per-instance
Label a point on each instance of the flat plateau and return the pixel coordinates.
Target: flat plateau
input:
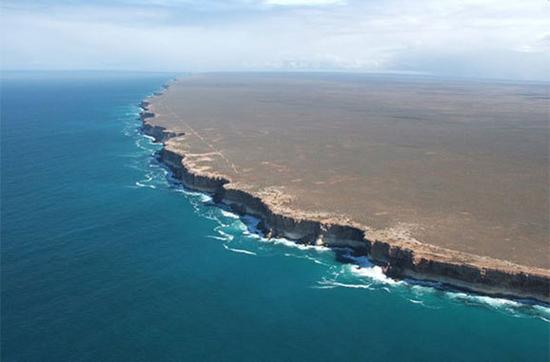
(439, 173)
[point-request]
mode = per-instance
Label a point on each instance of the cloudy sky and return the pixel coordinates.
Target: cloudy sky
(507, 39)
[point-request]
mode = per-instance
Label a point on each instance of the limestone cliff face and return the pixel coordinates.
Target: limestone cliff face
(484, 280)
(211, 185)
(397, 259)
(335, 235)
(160, 134)
(274, 225)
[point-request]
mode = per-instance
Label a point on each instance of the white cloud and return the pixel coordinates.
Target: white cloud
(479, 38)
(303, 2)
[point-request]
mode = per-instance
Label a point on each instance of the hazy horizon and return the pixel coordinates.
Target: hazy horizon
(83, 73)
(465, 39)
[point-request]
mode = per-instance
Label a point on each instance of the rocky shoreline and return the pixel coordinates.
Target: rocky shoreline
(399, 259)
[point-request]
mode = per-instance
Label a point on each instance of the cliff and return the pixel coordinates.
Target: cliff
(399, 258)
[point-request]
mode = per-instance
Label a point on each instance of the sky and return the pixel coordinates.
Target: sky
(505, 39)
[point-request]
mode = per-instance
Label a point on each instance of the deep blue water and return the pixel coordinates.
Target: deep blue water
(103, 258)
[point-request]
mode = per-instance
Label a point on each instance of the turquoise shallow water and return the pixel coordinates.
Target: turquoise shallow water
(103, 258)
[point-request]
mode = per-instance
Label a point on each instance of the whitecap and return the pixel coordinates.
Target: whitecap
(204, 198)
(315, 260)
(229, 214)
(481, 299)
(199, 195)
(423, 283)
(144, 148)
(324, 286)
(336, 284)
(139, 184)
(543, 310)
(292, 244)
(373, 272)
(251, 235)
(508, 306)
(227, 236)
(307, 257)
(496, 302)
(239, 251)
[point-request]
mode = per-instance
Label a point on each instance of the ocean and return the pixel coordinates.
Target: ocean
(105, 257)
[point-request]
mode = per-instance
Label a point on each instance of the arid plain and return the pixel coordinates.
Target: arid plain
(461, 165)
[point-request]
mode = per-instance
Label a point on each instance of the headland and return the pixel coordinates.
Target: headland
(440, 181)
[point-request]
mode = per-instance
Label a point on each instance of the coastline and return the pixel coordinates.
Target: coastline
(399, 259)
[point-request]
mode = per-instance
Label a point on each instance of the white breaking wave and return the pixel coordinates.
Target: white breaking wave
(138, 143)
(363, 267)
(489, 301)
(307, 257)
(225, 235)
(328, 284)
(292, 244)
(229, 214)
(139, 184)
(150, 138)
(375, 273)
(216, 237)
(508, 306)
(240, 251)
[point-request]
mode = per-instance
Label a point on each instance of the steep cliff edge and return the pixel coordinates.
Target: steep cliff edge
(399, 258)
